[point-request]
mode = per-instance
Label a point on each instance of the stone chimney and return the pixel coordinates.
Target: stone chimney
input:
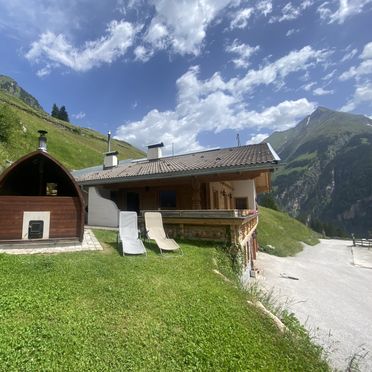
(154, 151)
(42, 140)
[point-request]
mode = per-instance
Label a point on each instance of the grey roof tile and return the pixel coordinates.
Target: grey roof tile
(249, 156)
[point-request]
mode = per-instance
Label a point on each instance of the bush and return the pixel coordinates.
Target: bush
(9, 123)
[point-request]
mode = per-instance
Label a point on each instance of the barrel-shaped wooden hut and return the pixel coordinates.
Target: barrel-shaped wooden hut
(39, 199)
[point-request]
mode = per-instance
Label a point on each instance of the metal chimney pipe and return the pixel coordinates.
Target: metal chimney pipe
(42, 140)
(109, 141)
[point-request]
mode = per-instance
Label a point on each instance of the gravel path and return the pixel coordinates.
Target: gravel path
(332, 296)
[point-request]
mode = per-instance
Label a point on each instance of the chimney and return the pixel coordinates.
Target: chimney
(42, 140)
(110, 160)
(154, 151)
(111, 157)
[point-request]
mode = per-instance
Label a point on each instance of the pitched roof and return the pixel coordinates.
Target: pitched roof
(243, 158)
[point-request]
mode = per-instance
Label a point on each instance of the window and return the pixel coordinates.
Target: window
(51, 189)
(167, 199)
(241, 203)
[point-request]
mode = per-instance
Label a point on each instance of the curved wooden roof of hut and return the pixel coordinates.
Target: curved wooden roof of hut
(29, 174)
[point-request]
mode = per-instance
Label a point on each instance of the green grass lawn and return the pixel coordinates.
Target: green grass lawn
(98, 311)
(281, 235)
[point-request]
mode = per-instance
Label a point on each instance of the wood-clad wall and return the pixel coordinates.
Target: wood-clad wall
(65, 215)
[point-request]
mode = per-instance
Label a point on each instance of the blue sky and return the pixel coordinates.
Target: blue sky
(190, 73)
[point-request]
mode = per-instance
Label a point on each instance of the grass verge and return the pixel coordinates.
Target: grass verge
(99, 311)
(281, 235)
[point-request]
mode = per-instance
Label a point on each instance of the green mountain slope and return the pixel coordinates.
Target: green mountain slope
(326, 179)
(281, 235)
(10, 86)
(74, 146)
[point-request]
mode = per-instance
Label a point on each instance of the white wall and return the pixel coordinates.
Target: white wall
(101, 210)
(245, 189)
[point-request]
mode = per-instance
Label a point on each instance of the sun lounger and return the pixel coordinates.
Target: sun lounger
(155, 231)
(129, 235)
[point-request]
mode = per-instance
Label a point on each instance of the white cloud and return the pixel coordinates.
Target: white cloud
(275, 72)
(363, 93)
(241, 18)
(182, 24)
(292, 31)
(258, 138)
(265, 7)
(349, 55)
(291, 12)
(143, 54)
(322, 92)
(31, 17)
(364, 68)
(308, 86)
(346, 9)
(214, 105)
(80, 115)
(367, 51)
(329, 75)
(243, 51)
(157, 34)
(55, 50)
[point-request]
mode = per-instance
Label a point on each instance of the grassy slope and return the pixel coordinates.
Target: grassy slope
(75, 147)
(283, 232)
(103, 312)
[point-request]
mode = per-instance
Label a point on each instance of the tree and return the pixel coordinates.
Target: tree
(267, 200)
(55, 111)
(9, 123)
(63, 115)
(60, 113)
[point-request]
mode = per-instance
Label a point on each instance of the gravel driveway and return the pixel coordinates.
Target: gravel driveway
(332, 296)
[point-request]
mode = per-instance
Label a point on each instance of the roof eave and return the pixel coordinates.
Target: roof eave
(199, 172)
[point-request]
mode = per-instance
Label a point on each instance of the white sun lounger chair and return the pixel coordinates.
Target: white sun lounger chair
(155, 231)
(129, 235)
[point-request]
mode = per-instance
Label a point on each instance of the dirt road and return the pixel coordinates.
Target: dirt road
(332, 296)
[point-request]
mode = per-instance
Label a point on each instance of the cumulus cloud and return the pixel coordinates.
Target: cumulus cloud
(258, 138)
(182, 24)
(55, 50)
(215, 105)
(346, 9)
(243, 52)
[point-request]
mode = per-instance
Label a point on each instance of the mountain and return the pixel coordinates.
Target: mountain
(10, 86)
(326, 177)
(73, 146)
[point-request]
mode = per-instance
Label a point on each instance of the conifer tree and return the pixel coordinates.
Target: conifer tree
(55, 111)
(63, 115)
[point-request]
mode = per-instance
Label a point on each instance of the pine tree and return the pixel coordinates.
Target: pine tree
(63, 115)
(55, 111)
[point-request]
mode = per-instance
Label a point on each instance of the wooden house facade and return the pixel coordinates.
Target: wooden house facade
(39, 199)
